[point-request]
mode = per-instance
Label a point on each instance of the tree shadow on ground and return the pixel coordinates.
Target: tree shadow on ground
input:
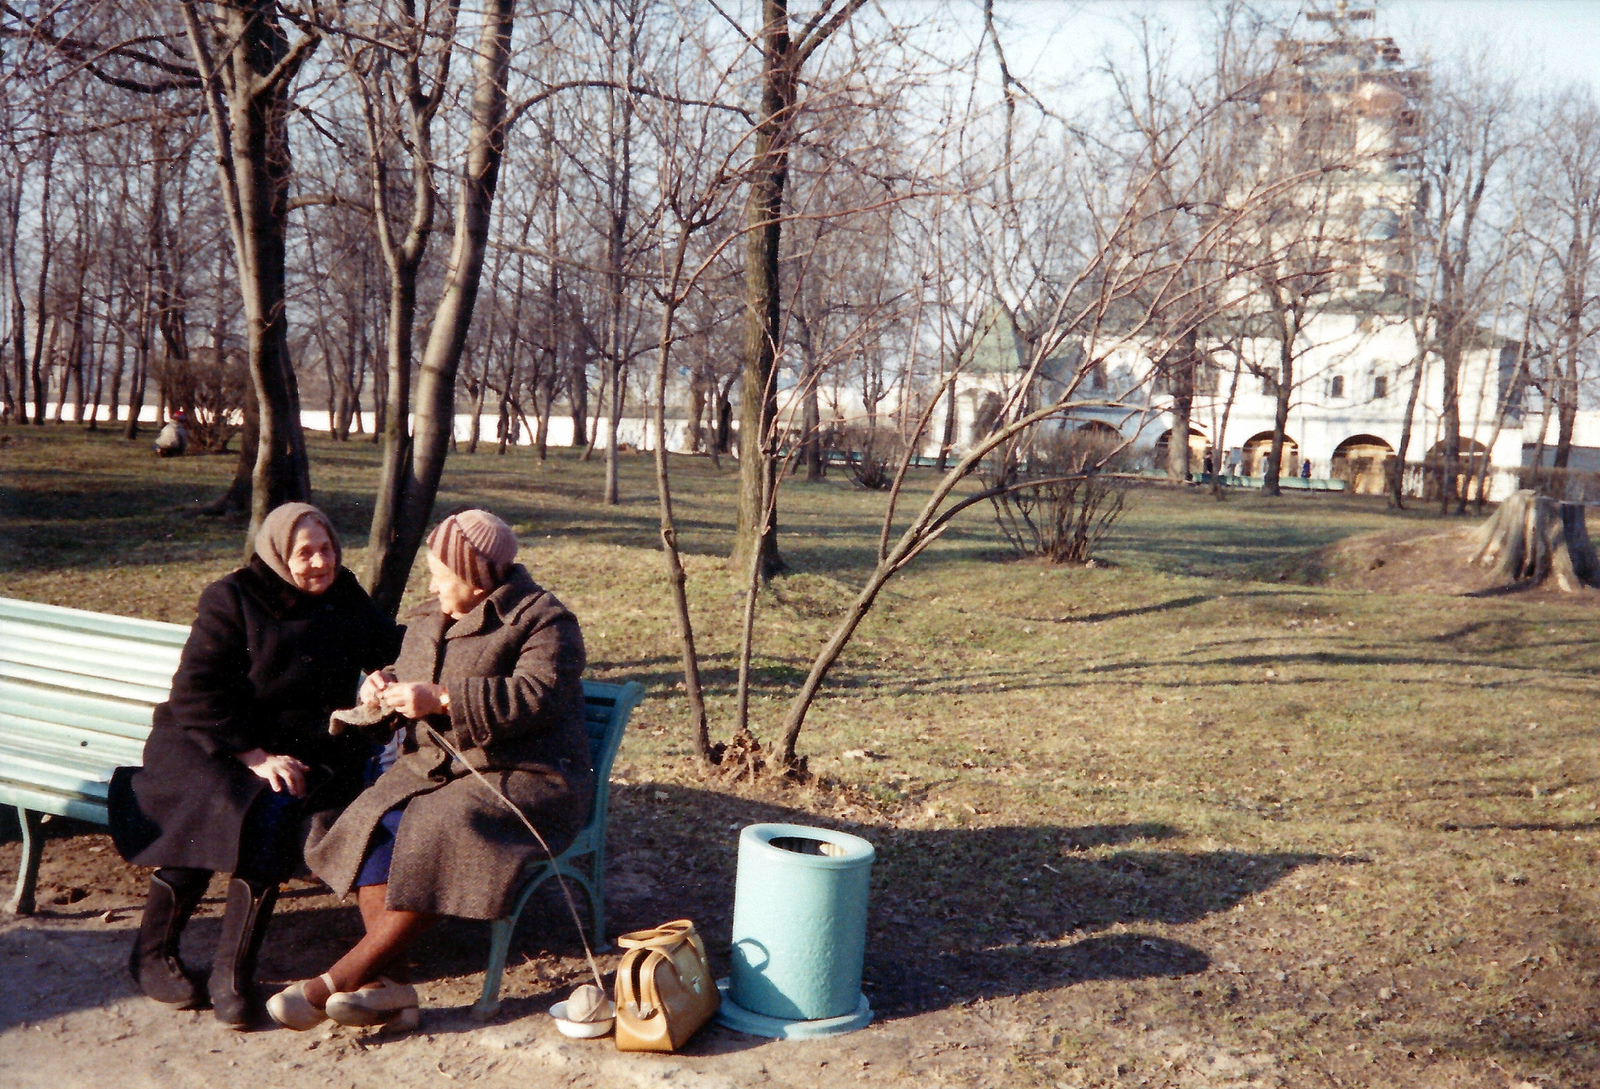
(956, 914)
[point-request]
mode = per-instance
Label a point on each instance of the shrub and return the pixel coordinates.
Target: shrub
(874, 454)
(1063, 492)
(211, 392)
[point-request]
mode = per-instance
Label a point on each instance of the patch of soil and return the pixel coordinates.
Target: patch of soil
(1422, 560)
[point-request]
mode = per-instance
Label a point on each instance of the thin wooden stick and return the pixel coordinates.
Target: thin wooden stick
(509, 804)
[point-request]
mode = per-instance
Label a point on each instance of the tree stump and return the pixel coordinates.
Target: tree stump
(1532, 537)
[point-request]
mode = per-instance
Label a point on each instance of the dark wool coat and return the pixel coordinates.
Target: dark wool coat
(513, 668)
(264, 665)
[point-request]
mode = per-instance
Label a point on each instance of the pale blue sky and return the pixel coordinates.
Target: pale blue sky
(1547, 41)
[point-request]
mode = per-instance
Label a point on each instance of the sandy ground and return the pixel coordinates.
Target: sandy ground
(69, 1015)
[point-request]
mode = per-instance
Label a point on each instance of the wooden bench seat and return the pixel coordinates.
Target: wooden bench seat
(77, 690)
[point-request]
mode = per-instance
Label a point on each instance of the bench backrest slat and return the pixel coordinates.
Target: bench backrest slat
(78, 636)
(89, 662)
(124, 718)
(79, 746)
(80, 682)
(153, 632)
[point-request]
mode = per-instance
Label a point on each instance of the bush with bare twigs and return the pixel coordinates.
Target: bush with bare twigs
(1059, 492)
(211, 390)
(873, 454)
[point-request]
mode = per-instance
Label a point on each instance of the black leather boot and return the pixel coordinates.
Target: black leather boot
(154, 962)
(233, 970)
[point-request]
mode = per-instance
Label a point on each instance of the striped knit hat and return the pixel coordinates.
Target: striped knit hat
(476, 545)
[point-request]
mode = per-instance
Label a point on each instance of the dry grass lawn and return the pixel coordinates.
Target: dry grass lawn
(1201, 816)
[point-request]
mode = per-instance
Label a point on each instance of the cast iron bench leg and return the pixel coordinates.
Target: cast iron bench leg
(488, 1003)
(28, 874)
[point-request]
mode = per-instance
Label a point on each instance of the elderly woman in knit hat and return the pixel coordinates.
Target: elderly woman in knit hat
(239, 755)
(492, 665)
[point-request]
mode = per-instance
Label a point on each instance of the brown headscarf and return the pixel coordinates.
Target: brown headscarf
(477, 546)
(276, 536)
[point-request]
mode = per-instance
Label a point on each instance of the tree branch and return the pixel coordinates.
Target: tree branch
(285, 70)
(814, 35)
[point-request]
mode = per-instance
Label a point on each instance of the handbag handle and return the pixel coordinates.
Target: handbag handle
(636, 987)
(665, 936)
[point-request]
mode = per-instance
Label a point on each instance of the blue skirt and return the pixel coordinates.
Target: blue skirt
(380, 849)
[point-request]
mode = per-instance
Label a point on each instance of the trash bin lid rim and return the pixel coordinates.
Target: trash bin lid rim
(858, 851)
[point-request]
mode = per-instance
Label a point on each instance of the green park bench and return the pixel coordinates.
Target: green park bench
(77, 690)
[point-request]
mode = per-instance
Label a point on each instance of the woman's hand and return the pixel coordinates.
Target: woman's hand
(281, 772)
(414, 700)
(373, 686)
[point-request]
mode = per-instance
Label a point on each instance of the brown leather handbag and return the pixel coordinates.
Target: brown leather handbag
(664, 988)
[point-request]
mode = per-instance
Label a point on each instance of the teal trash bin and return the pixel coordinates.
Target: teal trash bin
(799, 933)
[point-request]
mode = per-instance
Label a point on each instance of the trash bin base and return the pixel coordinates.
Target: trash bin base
(746, 1021)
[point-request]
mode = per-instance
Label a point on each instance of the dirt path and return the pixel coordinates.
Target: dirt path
(69, 1015)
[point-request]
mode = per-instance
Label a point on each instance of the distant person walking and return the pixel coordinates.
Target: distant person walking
(1305, 469)
(174, 437)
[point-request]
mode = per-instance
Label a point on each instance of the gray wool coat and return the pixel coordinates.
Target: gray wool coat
(513, 668)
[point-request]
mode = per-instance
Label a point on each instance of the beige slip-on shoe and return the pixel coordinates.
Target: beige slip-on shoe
(378, 1003)
(291, 1009)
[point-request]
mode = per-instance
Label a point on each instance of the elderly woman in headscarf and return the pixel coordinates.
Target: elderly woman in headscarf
(492, 665)
(239, 756)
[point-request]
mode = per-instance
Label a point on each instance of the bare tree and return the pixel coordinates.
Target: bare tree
(406, 497)
(783, 57)
(1568, 220)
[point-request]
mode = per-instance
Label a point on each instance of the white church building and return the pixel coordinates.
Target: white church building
(1346, 413)
(1357, 356)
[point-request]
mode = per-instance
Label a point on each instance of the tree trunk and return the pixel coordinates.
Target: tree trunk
(141, 363)
(1397, 481)
(599, 408)
(697, 409)
(1180, 379)
(247, 100)
(541, 438)
(19, 310)
(100, 379)
(676, 578)
(578, 401)
(47, 350)
(1219, 430)
(503, 421)
(947, 437)
(724, 430)
(757, 533)
(1450, 423)
(1280, 424)
(1532, 537)
(397, 541)
(41, 393)
(619, 179)
(117, 367)
(478, 391)
(72, 368)
(1566, 422)
(619, 389)
(236, 500)
(811, 422)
